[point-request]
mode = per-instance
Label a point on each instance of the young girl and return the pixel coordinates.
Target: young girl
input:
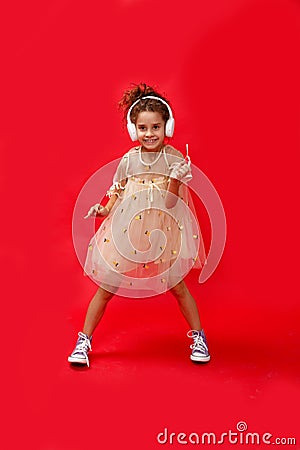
(149, 238)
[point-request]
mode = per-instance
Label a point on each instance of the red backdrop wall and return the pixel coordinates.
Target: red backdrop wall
(231, 70)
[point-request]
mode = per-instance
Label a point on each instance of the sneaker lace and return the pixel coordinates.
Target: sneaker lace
(84, 345)
(199, 343)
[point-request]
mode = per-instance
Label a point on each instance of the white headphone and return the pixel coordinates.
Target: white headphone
(170, 124)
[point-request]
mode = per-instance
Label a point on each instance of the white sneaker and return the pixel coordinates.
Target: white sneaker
(80, 353)
(199, 348)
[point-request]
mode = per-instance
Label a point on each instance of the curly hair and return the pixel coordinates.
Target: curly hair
(138, 91)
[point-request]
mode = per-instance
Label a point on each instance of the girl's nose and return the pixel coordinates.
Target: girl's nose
(148, 132)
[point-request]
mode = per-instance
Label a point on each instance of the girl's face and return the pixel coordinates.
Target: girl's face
(150, 128)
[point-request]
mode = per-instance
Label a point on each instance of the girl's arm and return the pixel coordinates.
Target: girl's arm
(172, 193)
(113, 193)
(179, 171)
(111, 202)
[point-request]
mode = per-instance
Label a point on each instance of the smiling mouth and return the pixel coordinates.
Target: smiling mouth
(150, 141)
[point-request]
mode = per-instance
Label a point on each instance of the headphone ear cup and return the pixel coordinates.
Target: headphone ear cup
(169, 129)
(132, 131)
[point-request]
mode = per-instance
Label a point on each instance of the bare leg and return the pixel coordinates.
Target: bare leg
(96, 310)
(187, 305)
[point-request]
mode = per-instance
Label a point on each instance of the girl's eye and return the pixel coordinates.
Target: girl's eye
(156, 127)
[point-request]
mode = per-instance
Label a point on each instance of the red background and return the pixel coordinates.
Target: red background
(231, 70)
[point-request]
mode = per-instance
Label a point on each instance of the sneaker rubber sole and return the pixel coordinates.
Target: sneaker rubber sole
(73, 359)
(201, 359)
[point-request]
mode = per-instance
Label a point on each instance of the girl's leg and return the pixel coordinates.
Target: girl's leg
(96, 310)
(189, 309)
(187, 305)
(93, 316)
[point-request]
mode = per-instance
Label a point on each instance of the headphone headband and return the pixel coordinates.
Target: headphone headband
(169, 129)
(154, 98)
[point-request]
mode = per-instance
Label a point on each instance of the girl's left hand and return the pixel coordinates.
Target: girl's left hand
(180, 170)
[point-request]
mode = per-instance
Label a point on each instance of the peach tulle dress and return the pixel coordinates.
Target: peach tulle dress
(142, 247)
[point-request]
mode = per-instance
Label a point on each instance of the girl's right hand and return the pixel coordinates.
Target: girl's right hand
(97, 210)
